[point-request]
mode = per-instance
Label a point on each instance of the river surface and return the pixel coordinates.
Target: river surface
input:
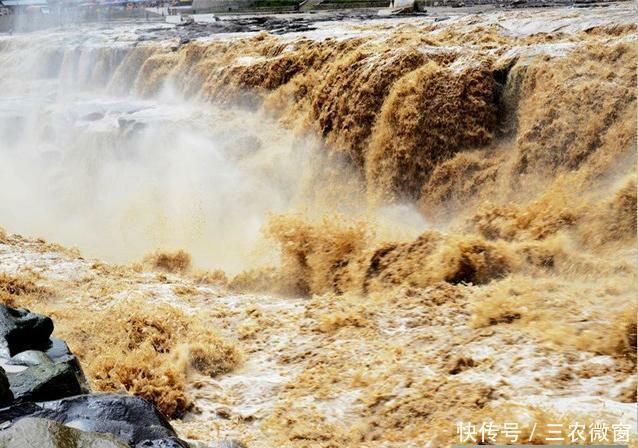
(384, 251)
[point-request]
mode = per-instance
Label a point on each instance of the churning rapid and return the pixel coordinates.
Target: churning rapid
(394, 224)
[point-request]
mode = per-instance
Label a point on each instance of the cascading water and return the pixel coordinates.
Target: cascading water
(121, 175)
(420, 220)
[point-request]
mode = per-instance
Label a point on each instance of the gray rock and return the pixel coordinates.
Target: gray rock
(30, 358)
(41, 433)
(6, 396)
(58, 351)
(132, 419)
(22, 330)
(52, 406)
(93, 116)
(50, 381)
(74, 362)
(46, 382)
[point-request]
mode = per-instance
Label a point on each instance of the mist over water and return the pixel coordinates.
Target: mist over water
(118, 176)
(420, 221)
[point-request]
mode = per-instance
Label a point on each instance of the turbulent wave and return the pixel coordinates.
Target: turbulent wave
(421, 122)
(462, 160)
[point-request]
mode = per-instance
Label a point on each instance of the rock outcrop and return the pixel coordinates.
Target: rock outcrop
(6, 396)
(131, 419)
(45, 400)
(46, 381)
(38, 367)
(22, 330)
(41, 433)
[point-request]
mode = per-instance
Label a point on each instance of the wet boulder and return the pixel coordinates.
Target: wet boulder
(134, 420)
(38, 366)
(30, 358)
(6, 396)
(57, 350)
(41, 433)
(21, 330)
(47, 381)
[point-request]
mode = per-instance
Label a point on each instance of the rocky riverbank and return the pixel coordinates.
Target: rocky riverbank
(46, 400)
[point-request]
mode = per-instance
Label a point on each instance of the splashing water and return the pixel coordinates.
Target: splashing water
(119, 175)
(455, 200)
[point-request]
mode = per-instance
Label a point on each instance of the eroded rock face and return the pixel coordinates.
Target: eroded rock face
(132, 419)
(6, 396)
(47, 381)
(39, 367)
(55, 350)
(41, 433)
(21, 330)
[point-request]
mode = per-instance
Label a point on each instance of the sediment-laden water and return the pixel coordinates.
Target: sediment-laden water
(387, 225)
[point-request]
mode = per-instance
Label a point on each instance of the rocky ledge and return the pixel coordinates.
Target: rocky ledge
(46, 401)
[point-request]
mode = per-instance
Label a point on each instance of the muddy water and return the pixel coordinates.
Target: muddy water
(419, 220)
(123, 174)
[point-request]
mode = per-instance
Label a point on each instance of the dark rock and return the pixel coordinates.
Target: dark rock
(132, 419)
(22, 330)
(40, 433)
(46, 382)
(47, 403)
(6, 396)
(79, 373)
(16, 412)
(57, 352)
